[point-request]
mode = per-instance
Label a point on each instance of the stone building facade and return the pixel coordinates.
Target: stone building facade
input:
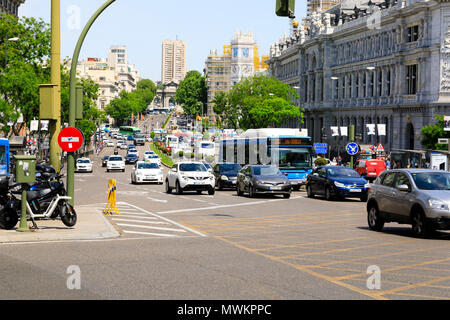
(383, 62)
(10, 6)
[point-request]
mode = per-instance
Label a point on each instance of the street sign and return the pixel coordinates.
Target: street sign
(320, 148)
(380, 148)
(443, 141)
(31, 142)
(352, 148)
(70, 139)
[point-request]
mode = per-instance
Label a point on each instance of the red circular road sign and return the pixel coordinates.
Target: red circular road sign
(70, 139)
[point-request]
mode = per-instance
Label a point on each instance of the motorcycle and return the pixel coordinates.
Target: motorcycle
(8, 207)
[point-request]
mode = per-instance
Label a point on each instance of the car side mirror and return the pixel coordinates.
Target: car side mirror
(403, 187)
(174, 170)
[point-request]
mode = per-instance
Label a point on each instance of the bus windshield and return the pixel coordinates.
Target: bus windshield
(3, 161)
(294, 158)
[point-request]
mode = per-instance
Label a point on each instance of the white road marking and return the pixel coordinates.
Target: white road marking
(148, 227)
(137, 221)
(151, 234)
(157, 200)
(139, 215)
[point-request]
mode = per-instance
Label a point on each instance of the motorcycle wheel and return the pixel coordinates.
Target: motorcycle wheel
(8, 219)
(68, 215)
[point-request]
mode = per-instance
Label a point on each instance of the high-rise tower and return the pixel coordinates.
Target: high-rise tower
(173, 61)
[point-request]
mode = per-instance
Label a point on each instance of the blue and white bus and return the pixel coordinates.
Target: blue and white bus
(290, 149)
(5, 159)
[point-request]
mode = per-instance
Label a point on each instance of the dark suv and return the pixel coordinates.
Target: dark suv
(226, 175)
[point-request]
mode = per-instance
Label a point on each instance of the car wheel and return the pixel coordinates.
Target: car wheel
(178, 187)
(199, 191)
(328, 195)
(132, 181)
(238, 190)
(168, 189)
(107, 170)
(251, 191)
(219, 185)
(420, 226)
(211, 191)
(309, 191)
(287, 196)
(376, 223)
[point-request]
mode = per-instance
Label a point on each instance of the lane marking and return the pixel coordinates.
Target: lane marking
(165, 219)
(148, 227)
(139, 221)
(139, 216)
(152, 234)
(157, 200)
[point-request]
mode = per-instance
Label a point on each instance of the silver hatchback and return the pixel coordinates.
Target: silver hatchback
(420, 197)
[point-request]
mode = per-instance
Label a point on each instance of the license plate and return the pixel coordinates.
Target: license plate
(275, 188)
(355, 190)
(372, 173)
(233, 182)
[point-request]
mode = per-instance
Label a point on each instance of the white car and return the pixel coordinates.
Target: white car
(190, 176)
(115, 163)
(153, 158)
(146, 172)
(110, 144)
(148, 153)
(84, 165)
(123, 145)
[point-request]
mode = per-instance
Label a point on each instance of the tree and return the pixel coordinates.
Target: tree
(192, 93)
(258, 102)
(431, 133)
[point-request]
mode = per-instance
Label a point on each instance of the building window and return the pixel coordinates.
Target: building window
(364, 85)
(413, 33)
(235, 52)
(380, 83)
(411, 79)
(372, 84)
(357, 86)
(245, 52)
(388, 84)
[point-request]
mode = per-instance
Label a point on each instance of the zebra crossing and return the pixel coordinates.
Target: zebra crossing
(138, 222)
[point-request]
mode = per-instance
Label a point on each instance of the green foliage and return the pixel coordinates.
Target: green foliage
(320, 162)
(258, 102)
(167, 121)
(152, 135)
(164, 158)
(206, 135)
(192, 93)
(180, 153)
(431, 133)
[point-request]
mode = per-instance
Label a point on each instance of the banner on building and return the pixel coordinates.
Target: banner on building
(344, 131)
(370, 129)
(381, 129)
(34, 125)
(446, 123)
(334, 131)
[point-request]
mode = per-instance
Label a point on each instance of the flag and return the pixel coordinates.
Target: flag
(344, 131)
(334, 131)
(370, 129)
(381, 129)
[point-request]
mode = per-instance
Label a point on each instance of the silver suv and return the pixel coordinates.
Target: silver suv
(420, 197)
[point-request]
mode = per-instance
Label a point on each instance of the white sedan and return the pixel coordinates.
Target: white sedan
(153, 159)
(110, 144)
(146, 172)
(115, 163)
(84, 165)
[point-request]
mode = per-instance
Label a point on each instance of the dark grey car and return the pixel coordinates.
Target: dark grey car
(420, 197)
(262, 179)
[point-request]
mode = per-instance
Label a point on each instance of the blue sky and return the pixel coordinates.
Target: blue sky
(142, 25)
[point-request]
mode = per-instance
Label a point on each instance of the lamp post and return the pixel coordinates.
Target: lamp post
(371, 69)
(334, 96)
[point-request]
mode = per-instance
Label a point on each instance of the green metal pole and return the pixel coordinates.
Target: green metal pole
(55, 125)
(23, 226)
(352, 138)
(72, 97)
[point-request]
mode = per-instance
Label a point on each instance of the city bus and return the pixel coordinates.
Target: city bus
(129, 131)
(290, 149)
(5, 158)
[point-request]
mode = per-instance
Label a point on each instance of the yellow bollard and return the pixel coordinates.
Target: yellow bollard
(111, 206)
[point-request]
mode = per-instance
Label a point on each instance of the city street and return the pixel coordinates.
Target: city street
(227, 247)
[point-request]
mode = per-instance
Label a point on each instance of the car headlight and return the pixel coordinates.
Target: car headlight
(211, 177)
(438, 204)
(367, 185)
(184, 177)
(339, 185)
(224, 178)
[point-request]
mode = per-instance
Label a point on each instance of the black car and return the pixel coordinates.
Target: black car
(105, 160)
(226, 175)
(337, 182)
(262, 179)
(131, 159)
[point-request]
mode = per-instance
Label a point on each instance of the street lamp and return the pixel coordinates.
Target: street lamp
(338, 120)
(6, 47)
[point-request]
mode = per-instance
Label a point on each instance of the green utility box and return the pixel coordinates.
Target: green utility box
(47, 102)
(25, 168)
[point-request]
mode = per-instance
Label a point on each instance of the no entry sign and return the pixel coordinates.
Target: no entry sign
(70, 139)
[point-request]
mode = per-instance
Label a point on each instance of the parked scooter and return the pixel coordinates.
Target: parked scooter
(8, 206)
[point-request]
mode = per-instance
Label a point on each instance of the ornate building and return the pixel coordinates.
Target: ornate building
(378, 62)
(10, 6)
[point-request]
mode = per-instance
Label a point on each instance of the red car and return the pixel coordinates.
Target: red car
(370, 169)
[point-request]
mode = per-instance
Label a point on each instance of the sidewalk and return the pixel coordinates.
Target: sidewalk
(91, 225)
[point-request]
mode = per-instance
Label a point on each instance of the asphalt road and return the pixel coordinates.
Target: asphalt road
(227, 247)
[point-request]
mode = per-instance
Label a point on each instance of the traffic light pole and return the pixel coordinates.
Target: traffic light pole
(352, 139)
(72, 96)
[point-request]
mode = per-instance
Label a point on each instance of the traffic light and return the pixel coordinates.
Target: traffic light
(285, 8)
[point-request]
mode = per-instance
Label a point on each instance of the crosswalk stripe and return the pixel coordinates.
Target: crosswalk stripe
(137, 221)
(152, 234)
(139, 216)
(148, 227)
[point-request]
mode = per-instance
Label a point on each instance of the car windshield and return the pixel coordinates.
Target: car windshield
(192, 167)
(139, 136)
(115, 159)
(153, 157)
(148, 166)
(84, 161)
(294, 158)
(342, 172)
(234, 167)
(207, 165)
(432, 180)
(131, 155)
(266, 171)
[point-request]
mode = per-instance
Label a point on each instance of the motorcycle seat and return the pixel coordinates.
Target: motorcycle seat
(36, 194)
